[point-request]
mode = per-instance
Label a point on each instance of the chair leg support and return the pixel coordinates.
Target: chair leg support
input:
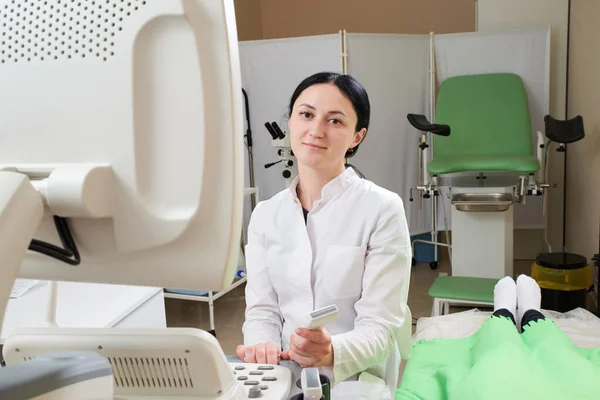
(435, 311)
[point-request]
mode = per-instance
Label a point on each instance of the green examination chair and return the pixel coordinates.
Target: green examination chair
(491, 127)
(483, 125)
(488, 115)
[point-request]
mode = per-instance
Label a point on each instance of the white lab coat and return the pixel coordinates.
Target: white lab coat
(354, 251)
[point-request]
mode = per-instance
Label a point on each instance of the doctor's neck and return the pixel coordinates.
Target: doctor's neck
(311, 182)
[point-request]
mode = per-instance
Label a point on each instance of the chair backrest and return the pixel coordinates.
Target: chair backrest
(488, 115)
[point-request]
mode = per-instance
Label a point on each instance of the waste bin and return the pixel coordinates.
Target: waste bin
(564, 280)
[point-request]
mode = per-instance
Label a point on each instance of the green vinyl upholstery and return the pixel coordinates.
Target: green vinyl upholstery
(491, 128)
(463, 288)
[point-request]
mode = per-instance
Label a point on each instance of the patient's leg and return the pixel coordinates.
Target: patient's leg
(570, 371)
(505, 298)
(531, 316)
(503, 312)
(482, 366)
(496, 359)
(529, 300)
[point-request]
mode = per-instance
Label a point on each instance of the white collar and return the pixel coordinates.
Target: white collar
(334, 187)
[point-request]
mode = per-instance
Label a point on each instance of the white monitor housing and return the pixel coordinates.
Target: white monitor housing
(125, 117)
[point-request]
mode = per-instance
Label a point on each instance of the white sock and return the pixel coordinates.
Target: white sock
(529, 295)
(505, 295)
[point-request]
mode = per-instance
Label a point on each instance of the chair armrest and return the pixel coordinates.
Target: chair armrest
(421, 123)
(567, 131)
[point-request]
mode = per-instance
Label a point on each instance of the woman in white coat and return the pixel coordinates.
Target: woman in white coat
(331, 238)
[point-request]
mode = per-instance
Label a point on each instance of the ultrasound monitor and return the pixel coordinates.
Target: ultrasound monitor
(121, 139)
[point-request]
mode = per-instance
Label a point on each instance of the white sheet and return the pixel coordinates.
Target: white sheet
(579, 325)
(524, 52)
(271, 70)
(395, 71)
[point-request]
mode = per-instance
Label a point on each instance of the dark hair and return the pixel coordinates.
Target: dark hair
(350, 87)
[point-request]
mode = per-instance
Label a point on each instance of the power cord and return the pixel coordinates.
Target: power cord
(68, 254)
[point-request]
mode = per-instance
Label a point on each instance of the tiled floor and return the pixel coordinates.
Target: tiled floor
(229, 309)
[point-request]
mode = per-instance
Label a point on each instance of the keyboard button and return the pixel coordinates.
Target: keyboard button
(266, 368)
(263, 387)
(254, 393)
(251, 383)
(242, 378)
(269, 379)
(240, 367)
(256, 373)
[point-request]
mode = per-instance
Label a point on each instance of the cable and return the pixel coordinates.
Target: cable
(68, 254)
(248, 144)
(248, 130)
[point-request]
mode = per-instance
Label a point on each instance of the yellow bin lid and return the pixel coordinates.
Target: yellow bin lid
(562, 271)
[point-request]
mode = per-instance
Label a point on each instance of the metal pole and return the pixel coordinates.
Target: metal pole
(434, 226)
(432, 81)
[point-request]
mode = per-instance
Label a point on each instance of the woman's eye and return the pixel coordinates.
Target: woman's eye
(336, 121)
(305, 114)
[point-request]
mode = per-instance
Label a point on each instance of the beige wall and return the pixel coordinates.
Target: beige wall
(271, 19)
(248, 19)
(287, 18)
(583, 159)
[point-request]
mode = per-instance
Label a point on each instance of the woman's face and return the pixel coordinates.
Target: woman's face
(321, 126)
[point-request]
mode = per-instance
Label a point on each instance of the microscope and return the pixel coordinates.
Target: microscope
(281, 142)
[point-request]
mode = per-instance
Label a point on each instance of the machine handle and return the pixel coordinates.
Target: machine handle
(269, 165)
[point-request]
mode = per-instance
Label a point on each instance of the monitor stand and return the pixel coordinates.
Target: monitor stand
(21, 211)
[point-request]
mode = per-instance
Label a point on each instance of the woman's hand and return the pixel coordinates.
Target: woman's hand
(310, 348)
(263, 353)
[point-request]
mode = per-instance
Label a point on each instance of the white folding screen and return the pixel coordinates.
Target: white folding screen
(395, 72)
(495, 15)
(271, 70)
(523, 52)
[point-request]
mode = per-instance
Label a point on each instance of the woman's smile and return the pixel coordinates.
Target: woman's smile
(315, 147)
